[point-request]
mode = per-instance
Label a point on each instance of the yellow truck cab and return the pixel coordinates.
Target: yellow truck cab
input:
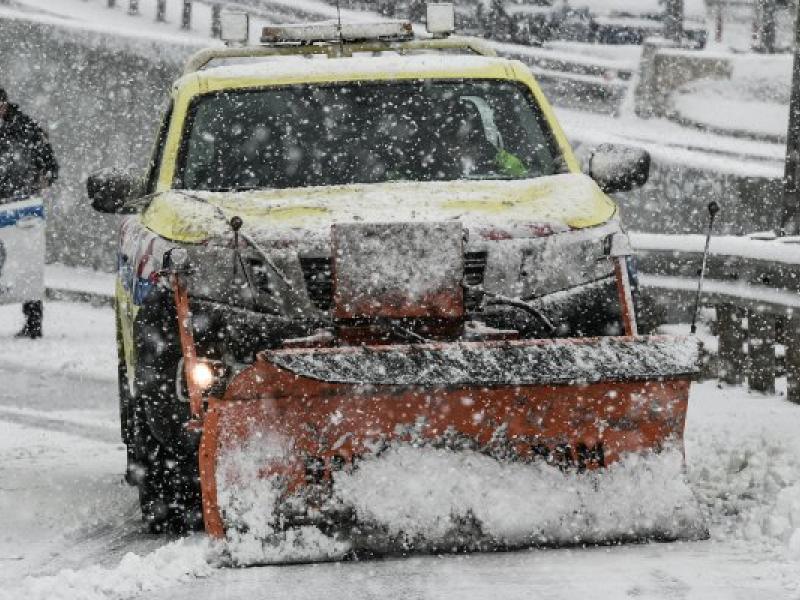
(265, 148)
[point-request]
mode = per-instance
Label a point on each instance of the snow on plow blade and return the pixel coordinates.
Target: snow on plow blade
(299, 418)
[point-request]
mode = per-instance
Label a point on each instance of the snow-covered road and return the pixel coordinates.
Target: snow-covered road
(62, 500)
(68, 523)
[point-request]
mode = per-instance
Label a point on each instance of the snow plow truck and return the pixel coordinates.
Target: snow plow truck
(351, 238)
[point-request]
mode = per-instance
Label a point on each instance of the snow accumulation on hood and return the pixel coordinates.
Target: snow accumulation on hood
(528, 208)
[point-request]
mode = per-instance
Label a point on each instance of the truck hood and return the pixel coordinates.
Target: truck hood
(281, 218)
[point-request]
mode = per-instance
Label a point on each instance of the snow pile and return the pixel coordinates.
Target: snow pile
(174, 563)
(248, 503)
(424, 498)
(751, 492)
(428, 497)
(743, 457)
(754, 101)
(76, 342)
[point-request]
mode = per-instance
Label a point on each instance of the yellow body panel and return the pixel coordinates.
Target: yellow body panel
(572, 200)
(168, 220)
(569, 200)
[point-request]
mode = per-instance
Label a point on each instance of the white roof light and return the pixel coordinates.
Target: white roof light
(441, 18)
(235, 27)
(328, 31)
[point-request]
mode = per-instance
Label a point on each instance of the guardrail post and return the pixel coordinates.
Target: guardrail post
(186, 15)
(792, 341)
(761, 345)
(161, 10)
(732, 338)
(133, 7)
(216, 20)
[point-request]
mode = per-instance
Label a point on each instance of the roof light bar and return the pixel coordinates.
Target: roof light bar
(328, 31)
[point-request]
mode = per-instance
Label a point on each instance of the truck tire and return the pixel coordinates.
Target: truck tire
(126, 424)
(169, 485)
(165, 450)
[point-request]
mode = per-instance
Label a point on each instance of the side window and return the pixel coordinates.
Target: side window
(158, 152)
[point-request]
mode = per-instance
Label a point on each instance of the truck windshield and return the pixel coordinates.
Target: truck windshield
(365, 133)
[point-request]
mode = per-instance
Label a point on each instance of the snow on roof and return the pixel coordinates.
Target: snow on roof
(358, 67)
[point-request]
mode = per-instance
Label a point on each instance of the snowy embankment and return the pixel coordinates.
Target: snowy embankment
(71, 525)
(754, 102)
(672, 144)
(79, 341)
(97, 15)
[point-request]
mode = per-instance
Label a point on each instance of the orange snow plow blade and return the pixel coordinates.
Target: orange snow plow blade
(578, 404)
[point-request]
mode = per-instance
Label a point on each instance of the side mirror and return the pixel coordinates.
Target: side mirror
(618, 168)
(110, 189)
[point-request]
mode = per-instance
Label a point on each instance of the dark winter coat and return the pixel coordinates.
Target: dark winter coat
(26, 157)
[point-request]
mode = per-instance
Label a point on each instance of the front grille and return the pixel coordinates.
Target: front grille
(474, 267)
(474, 271)
(318, 275)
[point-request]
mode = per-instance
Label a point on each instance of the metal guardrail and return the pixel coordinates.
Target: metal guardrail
(186, 12)
(565, 75)
(753, 285)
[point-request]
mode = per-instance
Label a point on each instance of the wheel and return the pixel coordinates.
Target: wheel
(169, 485)
(125, 410)
(164, 450)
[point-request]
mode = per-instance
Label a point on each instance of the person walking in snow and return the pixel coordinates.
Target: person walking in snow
(27, 165)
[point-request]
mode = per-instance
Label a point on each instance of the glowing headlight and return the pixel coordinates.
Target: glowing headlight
(203, 375)
(208, 375)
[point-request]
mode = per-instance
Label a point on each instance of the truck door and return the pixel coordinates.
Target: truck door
(21, 249)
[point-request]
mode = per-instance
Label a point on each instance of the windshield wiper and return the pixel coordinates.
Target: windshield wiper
(233, 190)
(494, 178)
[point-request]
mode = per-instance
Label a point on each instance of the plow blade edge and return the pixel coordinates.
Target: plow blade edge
(576, 404)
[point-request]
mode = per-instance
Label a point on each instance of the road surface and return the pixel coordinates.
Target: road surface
(69, 526)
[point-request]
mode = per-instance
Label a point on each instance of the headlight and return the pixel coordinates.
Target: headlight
(567, 260)
(210, 376)
(203, 375)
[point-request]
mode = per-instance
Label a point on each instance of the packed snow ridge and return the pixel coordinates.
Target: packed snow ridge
(424, 498)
